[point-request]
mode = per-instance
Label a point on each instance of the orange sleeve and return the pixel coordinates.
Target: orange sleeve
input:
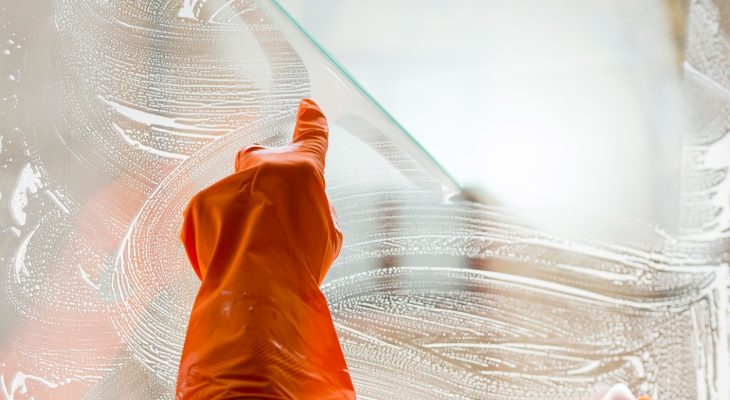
(187, 237)
(262, 240)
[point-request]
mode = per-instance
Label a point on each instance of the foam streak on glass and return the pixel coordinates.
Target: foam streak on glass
(114, 113)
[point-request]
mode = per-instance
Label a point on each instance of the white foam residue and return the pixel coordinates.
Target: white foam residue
(188, 10)
(19, 259)
(139, 145)
(12, 230)
(85, 276)
(28, 180)
(148, 118)
(56, 200)
(431, 299)
(19, 385)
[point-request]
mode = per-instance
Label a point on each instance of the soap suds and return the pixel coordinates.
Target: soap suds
(126, 109)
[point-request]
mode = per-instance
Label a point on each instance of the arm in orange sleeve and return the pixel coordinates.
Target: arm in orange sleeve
(187, 237)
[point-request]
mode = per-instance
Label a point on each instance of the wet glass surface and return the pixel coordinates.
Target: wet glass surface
(115, 113)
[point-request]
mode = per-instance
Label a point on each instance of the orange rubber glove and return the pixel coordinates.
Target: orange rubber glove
(261, 241)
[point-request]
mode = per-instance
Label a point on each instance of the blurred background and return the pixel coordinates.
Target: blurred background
(529, 103)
